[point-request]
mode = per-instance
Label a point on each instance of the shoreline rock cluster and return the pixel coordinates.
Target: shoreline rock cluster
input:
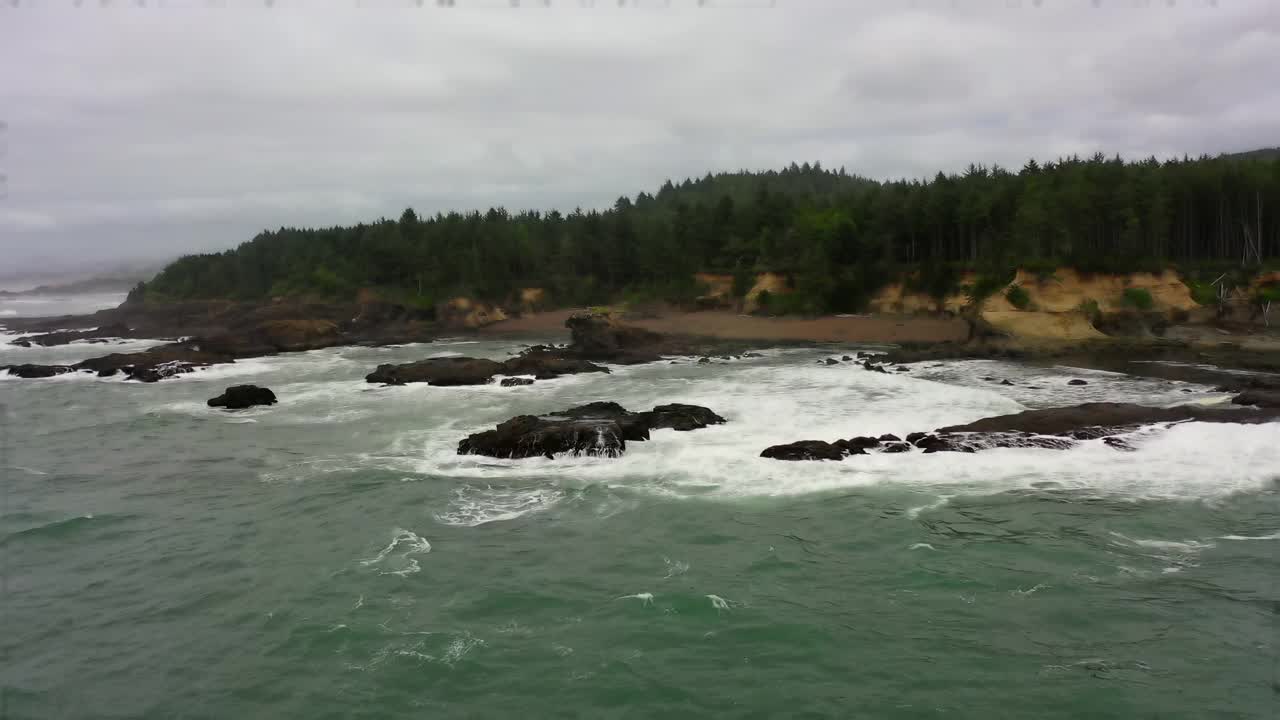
(596, 429)
(1051, 428)
(594, 339)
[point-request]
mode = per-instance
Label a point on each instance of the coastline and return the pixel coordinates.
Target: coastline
(725, 325)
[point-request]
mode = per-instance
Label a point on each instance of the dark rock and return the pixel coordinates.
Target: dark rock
(633, 426)
(157, 372)
(831, 361)
(595, 337)
(153, 365)
(530, 436)
(598, 428)
(866, 365)
(1101, 418)
(238, 397)
(861, 442)
(30, 371)
(849, 448)
(682, 417)
(888, 437)
(751, 355)
(1119, 444)
(989, 379)
(703, 361)
(1260, 398)
(846, 358)
(515, 381)
(438, 371)
(1052, 428)
(546, 364)
(1076, 381)
(63, 337)
(900, 368)
(804, 450)
(1005, 382)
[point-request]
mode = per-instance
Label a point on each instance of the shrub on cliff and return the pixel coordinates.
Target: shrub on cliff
(1138, 298)
(1018, 297)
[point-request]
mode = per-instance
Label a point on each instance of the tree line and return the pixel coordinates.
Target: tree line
(838, 235)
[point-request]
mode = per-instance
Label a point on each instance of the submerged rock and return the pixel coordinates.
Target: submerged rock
(599, 429)
(1077, 381)
(238, 397)
(516, 381)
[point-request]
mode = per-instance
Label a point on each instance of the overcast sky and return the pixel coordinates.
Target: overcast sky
(141, 132)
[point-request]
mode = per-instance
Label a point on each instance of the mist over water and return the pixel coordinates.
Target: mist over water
(54, 305)
(333, 555)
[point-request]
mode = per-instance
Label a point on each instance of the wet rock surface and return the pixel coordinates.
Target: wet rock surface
(595, 339)
(1051, 428)
(239, 397)
(595, 429)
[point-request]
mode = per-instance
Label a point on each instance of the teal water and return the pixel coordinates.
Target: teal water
(332, 557)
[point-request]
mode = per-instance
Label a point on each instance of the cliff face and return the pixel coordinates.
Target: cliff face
(1066, 290)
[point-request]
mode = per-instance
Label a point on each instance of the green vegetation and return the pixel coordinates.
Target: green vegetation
(1138, 298)
(841, 237)
(1018, 297)
(987, 284)
(1090, 309)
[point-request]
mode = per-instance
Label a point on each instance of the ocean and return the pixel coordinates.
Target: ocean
(331, 556)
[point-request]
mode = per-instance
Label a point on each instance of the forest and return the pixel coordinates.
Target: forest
(838, 235)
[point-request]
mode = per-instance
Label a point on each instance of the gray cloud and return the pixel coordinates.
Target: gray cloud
(141, 132)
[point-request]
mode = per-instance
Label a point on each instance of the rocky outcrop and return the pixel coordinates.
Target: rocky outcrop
(30, 371)
(63, 337)
(805, 450)
(540, 362)
(1052, 429)
(438, 371)
(239, 397)
(153, 365)
(599, 429)
(596, 338)
(1260, 398)
(545, 363)
(599, 337)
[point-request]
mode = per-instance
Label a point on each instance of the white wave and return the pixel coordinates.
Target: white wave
(674, 568)
(1272, 536)
(914, 512)
(474, 506)
(29, 471)
(790, 399)
(720, 604)
(644, 598)
(459, 647)
(921, 546)
(1181, 546)
(412, 544)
